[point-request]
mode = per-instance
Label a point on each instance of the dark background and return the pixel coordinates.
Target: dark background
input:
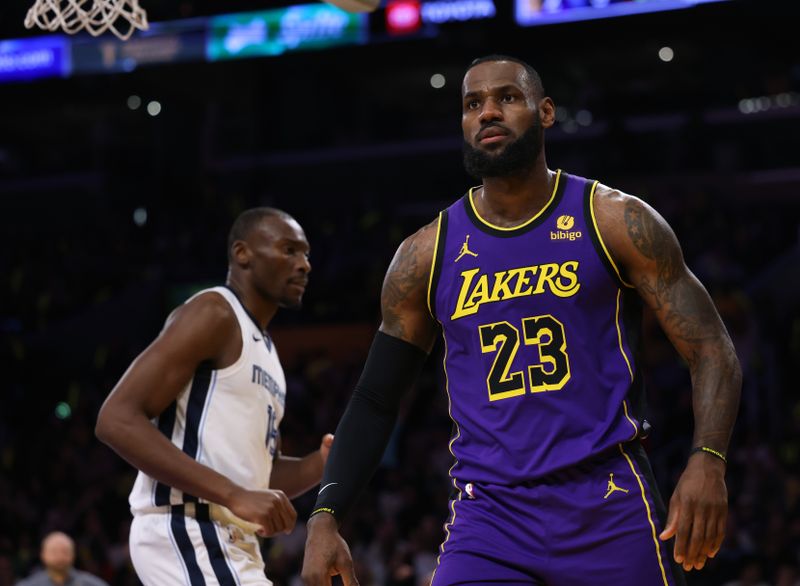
(357, 145)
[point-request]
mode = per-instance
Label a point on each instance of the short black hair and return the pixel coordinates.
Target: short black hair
(244, 224)
(533, 76)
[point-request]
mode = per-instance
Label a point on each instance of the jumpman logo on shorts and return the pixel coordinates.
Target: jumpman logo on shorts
(465, 250)
(613, 487)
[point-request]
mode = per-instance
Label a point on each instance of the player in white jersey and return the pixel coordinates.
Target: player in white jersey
(198, 413)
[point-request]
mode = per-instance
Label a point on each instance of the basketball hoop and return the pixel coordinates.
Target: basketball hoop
(95, 16)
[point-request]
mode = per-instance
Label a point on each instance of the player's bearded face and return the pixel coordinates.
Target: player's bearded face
(282, 283)
(515, 157)
(291, 299)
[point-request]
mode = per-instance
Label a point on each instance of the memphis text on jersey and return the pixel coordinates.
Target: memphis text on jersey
(263, 378)
(479, 288)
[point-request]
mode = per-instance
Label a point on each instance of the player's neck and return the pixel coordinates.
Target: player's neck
(260, 309)
(516, 198)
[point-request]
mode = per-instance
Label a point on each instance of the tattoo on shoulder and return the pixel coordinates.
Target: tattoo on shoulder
(640, 229)
(655, 241)
(406, 279)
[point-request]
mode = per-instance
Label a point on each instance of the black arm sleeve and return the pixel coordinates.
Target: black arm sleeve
(361, 436)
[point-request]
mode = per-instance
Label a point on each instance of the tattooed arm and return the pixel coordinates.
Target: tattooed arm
(650, 258)
(404, 304)
(400, 348)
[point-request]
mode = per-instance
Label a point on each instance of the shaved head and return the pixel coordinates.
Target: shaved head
(58, 552)
(247, 221)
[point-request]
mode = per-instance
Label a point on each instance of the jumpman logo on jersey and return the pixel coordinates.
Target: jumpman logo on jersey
(465, 250)
(613, 487)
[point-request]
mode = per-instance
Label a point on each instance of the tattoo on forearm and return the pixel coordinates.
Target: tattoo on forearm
(690, 313)
(718, 379)
(692, 322)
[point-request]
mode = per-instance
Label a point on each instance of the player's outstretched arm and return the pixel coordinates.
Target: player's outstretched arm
(406, 335)
(649, 254)
(197, 332)
(295, 476)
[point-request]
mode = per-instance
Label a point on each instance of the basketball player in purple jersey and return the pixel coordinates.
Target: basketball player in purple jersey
(536, 280)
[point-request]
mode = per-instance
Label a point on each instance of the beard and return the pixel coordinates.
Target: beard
(287, 302)
(515, 157)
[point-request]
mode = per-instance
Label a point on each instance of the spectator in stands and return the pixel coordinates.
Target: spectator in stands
(58, 558)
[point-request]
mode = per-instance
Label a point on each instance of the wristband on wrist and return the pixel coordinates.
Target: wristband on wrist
(322, 510)
(711, 451)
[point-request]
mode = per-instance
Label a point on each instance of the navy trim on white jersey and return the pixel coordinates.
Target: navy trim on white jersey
(215, 553)
(214, 403)
(166, 425)
(178, 527)
(201, 383)
(195, 409)
(266, 337)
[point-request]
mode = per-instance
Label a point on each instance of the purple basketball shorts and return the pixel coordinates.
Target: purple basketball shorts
(590, 525)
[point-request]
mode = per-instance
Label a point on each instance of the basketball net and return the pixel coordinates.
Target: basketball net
(94, 16)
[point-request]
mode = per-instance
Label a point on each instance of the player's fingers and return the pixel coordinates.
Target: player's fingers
(290, 514)
(276, 512)
(347, 571)
(699, 563)
(709, 543)
(719, 534)
(286, 516)
(682, 533)
(697, 537)
(349, 578)
(281, 522)
(268, 525)
(672, 521)
(701, 557)
(714, 518)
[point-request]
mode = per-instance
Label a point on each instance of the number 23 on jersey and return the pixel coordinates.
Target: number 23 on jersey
(550, 373)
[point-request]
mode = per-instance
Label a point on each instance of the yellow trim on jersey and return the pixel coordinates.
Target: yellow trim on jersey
(539, 213)
(631, 421)
(433, 264)
(455, 459)
(619, 336)
(649, 515)
(628, 362)
(447, 530)
(600, 237)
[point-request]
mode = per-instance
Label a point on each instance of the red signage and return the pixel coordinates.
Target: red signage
(403, 16)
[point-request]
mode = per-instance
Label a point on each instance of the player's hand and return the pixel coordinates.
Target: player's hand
(325, 447)
(698, 512)
(269, 508)
(326, 554)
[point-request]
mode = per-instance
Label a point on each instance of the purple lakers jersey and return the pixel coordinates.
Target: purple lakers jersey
(540, 336)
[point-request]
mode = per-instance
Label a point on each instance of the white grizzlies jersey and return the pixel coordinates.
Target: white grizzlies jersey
(225, 419)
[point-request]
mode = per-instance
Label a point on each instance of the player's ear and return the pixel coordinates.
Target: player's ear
(240, 253)
(547, 112)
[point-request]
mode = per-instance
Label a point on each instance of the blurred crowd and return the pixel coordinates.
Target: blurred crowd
(81, 297)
